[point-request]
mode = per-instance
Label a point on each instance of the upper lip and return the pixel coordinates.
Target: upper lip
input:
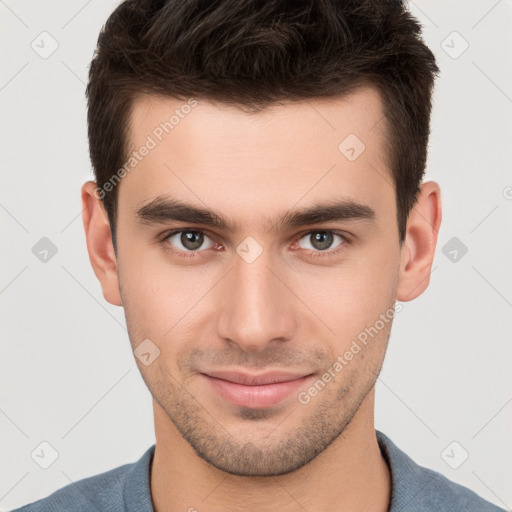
(255, 379)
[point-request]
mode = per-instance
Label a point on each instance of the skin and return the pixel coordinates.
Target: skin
(293, 308)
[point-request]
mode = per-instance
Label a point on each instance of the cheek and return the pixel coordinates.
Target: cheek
(160, 299)
(351, 297)
(146, 293)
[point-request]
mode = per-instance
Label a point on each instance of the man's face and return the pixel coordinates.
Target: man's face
(257, 297)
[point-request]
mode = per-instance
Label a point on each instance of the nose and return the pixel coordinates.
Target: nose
(256, 308)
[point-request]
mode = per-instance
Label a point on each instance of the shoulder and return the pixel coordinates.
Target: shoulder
(110, 490)
(423, 490)
(97, 491)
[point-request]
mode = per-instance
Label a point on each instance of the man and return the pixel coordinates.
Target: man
(258, 210)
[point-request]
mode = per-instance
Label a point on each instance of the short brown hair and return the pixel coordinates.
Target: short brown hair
(255, 53)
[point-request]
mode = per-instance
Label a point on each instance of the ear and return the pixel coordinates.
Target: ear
(420, 243)
(99, 243)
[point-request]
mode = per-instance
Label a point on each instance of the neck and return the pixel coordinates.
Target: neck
(350, 475)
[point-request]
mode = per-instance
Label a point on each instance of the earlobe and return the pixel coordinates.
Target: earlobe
(420, 243)
(99, 243)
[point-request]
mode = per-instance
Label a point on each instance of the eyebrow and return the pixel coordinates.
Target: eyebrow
(164, 209)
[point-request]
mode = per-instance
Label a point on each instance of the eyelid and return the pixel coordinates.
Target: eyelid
(186, 254)
(328, 253)
(346, 239)
(330, 231)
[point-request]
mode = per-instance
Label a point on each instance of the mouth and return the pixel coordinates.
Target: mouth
(255, 391)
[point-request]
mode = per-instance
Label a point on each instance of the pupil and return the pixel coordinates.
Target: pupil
(321, 240)
(192, 239)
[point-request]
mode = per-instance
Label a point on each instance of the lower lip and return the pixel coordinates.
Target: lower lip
(256, 397)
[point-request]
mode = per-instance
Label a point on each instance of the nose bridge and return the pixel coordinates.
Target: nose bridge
(255, 309)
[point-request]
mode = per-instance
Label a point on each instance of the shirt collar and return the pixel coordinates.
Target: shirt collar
(137, 489)
(404, 478)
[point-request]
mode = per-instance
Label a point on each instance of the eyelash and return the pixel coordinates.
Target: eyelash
(316, 254)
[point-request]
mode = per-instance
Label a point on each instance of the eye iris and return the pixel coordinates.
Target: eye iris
(321, 240)
(192, 239)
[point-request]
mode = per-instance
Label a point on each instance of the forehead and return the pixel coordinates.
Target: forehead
(360, 113)
(292, 153)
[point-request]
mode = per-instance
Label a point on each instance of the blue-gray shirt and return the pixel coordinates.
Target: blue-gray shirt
(126, 488)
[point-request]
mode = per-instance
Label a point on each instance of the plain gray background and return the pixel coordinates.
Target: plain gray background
(68, 376)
